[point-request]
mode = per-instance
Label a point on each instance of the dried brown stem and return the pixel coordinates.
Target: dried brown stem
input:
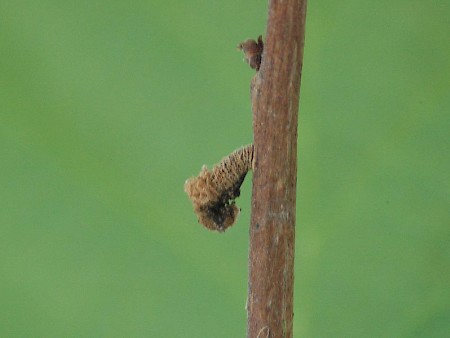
(275, 97)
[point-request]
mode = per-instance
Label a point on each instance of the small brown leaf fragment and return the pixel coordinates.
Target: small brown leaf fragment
(253, 51)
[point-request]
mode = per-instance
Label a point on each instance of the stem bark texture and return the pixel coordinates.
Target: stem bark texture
(275, 102)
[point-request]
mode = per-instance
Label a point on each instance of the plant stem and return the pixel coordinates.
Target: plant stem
(275, 97)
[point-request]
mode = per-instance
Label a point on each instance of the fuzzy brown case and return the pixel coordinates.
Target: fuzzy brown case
(213, 192)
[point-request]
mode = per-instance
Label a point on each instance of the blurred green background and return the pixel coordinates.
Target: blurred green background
(106, 107)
